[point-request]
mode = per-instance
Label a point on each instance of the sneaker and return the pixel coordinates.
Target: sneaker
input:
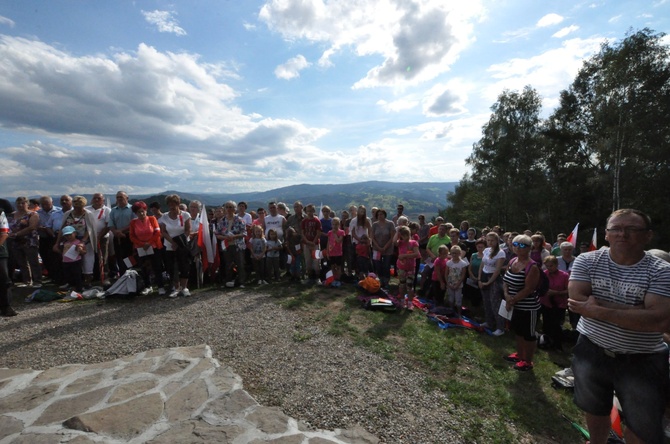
(64, 287)
(260, 282)
(241, 285)
(8, 312)
(145, 291)
(514, 357)
(230, 284)
(173, 294)
(185, 292)
(106, 283)
(22, 285)
(523, 366)
(161, 292)
(37, 285)
(266, 282)
(498, 332)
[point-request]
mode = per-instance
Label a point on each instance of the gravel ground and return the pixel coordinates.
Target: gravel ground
(284, 361)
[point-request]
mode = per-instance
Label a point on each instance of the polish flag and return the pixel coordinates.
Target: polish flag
(573, 236)
(592, 245)
(207, 243)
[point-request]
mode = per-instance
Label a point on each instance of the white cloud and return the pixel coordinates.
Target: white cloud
(565, 31)
(131, 111)
(446, 99)
(548, 72)
(398, 105)
(6, 21)
(615, 19)
(418, 39)
(164, 21)
(291, 69)
(549, 20)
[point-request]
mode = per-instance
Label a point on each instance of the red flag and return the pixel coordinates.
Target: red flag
(592, 245)
(207, 243)
(573, 236)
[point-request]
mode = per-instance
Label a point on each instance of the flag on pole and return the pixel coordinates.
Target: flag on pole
(207, 243)
(592, 245)
(573, 236)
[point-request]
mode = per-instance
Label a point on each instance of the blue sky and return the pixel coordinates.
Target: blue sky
(230, 95)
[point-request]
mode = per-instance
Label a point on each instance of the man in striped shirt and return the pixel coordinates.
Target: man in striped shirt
(623, 295)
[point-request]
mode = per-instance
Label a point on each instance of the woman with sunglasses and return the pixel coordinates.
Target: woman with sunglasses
(490, 283)
(519, 284)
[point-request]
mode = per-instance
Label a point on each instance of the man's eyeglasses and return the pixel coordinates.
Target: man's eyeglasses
(627, 230)
(520, 245)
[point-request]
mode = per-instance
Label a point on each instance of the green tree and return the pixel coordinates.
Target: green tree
(507, 175)
(614, 121)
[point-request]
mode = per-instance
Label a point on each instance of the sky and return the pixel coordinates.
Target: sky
(249, 95)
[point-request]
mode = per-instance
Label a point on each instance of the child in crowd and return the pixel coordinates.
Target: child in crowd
(257, 248)
(456, 272)
(408, 252)
(311, 235)
(294, 254)
(334, 250)
(363, 256)
(73, 249)
(274, 247)
(438, 285)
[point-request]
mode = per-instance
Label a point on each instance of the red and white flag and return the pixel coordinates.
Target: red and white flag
(573, 236)
(592, 245)
(207, 243)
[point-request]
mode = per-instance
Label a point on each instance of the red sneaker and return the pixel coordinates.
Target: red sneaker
(514, 357)
(523, 366)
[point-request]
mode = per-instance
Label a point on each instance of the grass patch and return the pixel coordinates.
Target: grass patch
(494, 403)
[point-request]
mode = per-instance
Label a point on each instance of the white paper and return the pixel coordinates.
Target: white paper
(72, 253)
(129, 262)
(148, 252)
(297, 247)
(223, 245)
(289, 259)
(503, 311)
(376, 255)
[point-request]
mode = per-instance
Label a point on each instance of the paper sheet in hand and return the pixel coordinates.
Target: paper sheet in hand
(142, 252)
(504, 313)
(72, 253)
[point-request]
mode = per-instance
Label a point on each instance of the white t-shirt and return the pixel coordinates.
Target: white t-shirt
(100, 217)
(276, 223)
(174, 227)
(489, 263)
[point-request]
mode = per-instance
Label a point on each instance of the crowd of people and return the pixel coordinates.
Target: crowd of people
(617, 298)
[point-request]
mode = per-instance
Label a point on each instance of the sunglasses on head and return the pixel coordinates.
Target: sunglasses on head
(520, 245)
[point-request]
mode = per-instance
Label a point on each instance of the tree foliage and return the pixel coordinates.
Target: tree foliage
(605, 147)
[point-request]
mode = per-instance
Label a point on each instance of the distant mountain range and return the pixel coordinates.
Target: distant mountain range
(417, 197)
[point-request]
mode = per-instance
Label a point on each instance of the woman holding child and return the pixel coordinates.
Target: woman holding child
(82, 221)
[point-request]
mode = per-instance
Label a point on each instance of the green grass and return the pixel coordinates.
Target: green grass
(492, 402)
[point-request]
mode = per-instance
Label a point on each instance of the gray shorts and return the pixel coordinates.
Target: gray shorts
(640, 381)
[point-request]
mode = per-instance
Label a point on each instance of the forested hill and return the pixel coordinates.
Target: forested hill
(417, 197)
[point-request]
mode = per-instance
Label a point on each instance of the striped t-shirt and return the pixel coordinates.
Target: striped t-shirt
(623, 284)
(515, 283)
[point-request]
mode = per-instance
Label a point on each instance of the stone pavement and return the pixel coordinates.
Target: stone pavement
(177, 395)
